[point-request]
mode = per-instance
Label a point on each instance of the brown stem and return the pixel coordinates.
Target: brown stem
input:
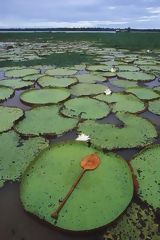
(56, 213)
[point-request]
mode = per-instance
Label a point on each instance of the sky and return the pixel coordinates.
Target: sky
(80, 13)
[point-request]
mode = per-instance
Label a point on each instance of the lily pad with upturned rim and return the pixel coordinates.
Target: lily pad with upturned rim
(20, 72)
(44, 96)
(85, 108)
(154, 106)
(123, 83)
(143, 93)
(33, 77)
(135, 132)
(61, 72)
(8, 115)
(128, 68)
(5, 93)
(16, 154)
(136, 76)
(45, 121)
(15, 83)
(84, 89)
(48, 81)
(146, 167)
(93, 204)
(90, 78)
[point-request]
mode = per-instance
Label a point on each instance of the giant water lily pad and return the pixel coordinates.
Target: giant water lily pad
(143, 93)
(146, 167)
(100, 197)
(90, 78)
(123, 102)
(61, 72)
(123, 83)
(136, 76)
(15, 83)
(103, 68)
(8, 115)
(85, 108)
(154, 106)
(16, 154)
(5, 92)
(135, 224)
(84, 89)
(128, 68)
(135, 132)
(44, 96)
(45, 120)
(33, 77)
(20, 72)
(48, 81)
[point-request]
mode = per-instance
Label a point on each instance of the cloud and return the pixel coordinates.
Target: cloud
(155, 10)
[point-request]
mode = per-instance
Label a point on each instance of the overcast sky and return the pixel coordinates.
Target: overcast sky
(80, 13)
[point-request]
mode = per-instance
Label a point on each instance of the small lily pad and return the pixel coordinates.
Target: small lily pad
(15, 83)
(8, 115)
(44, 96)
(143, 93)
(123, 83)
(154, 106)
(93, 204)
(84, 89)
(61, 72)
(5, 93)
(123, 102)
(16, 154)
(48, 81)
(20, 72)
(136, 76)
(45, 121)
(85, 108)
(146, 167)
(136, 132)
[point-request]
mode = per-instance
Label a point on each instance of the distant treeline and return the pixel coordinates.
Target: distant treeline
(79, 29)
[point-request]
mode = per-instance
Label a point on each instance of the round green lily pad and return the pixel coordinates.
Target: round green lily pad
(143, 93)
(135, 224)
(136, 76)
(146, 167)
(123, 83)
(61, 72)
(128, 68)
(33, 77)
(48, 81)
(44, 96)
(8, 115)
(20, 72)
(93, 203)
(85, 108)
(157, 88)
(15, 83)
(84, 89)
(123, 102)
(16, 154)
(136, 132)
(109, 74)
(102, 68)
(154, 106)
(90, 78)
(5, 92)
(45, 121)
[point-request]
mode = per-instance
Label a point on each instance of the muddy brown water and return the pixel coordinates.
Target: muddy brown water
(15, 223)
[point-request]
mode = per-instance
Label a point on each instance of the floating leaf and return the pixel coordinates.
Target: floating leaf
(154, 106)
(8, 115)
(45, 121)
(33, 77)
(123, 83)
(136, 132)
(84, 89)
(61, 72)
(143, 93)
(15, 83)
(127, 68)
(44, 96)
(5, 92)
(48, 81)
(94, 203)
(90, 78)
(16, 154)
(146, 167)
(136, 76)
(20, 72)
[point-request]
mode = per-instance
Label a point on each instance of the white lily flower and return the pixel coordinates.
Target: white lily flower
(113, 70)
(82, 137)
(148, 51)
(107, 91)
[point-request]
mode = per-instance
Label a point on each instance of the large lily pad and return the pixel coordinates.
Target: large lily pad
(154, 106)
(135, 224)
(85, 108)
(90, 78)
(5, 92)
(61, 72)
(136, 76)
(33, 77)
(146, 167)
(103, 68)
(48, 81)
(128, 68)
(93, 203)
(136, 132)
(16, 154)
(45, 120)
(143, 93)
(44, 96)
(15, 83)
(123, 83)
(20, 72)
(8, 115)
(84, 89)
(123, 102)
